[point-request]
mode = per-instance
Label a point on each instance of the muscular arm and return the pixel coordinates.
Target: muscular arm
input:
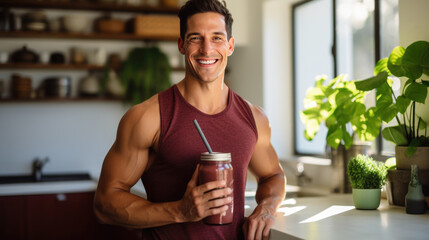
(264, 164)
(125, 163)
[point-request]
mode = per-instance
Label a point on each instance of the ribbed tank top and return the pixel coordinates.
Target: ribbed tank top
(233, 130)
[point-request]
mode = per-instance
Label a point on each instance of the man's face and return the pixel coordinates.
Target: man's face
(206, 46)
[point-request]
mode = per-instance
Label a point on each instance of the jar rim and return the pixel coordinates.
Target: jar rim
(215, 156)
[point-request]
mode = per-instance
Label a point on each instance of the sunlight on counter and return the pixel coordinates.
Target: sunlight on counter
(329, 212)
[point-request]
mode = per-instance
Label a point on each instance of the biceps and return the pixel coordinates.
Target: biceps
(123, 168)
(264, 161)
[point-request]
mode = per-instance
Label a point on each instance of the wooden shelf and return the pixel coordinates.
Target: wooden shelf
(42, 66)
(50, 66)
(74, 99)
(91, 6)
(84, 36)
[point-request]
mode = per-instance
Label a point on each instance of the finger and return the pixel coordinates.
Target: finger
(266, 232)
(210, 186)
(217, 193)
(252, 229)
(194, 179)
(215, 211)
(259, 230)
(219, 202)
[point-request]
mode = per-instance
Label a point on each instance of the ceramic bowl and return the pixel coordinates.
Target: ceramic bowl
(75, 23)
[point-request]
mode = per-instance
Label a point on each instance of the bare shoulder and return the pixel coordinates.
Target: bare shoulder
(141, 123)
(261, 119)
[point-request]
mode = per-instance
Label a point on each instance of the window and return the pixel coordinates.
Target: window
(333, 37)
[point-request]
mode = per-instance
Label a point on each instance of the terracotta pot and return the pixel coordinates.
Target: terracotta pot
(397, 185)
(421, 158)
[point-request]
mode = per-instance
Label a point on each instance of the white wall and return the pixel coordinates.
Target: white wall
(261, 70)
(245, 77)
(75, 136)
(277, 73)
(413, 26)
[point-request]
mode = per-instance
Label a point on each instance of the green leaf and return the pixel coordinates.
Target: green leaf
(347, 138)
(415, 57)
(415, 54)
(402, 103)
(334, 136)
(331, 121)
(367, 125)
(395, 134)
(311, 129)
(381, 66)
(388, 113)
(412, 148)
(371, 83)
(413, 71)
(394, 62)
(384, 95)
(416, 92)
(343, 96)
(390, 163)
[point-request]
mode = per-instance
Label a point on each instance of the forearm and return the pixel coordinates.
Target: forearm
(119, 207)
(271, 191)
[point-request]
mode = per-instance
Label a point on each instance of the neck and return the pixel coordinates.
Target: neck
(209, 98)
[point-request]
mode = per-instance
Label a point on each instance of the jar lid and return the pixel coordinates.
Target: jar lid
(216, 156)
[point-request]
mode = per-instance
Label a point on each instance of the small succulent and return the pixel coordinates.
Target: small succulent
(365, 173)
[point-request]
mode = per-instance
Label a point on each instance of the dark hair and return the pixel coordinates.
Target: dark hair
(192, 7)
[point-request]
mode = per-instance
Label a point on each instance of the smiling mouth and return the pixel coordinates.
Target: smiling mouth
(207, 62)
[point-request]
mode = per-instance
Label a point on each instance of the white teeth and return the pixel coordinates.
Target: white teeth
(206, 61)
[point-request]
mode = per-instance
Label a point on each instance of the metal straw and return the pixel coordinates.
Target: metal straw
(202, 136)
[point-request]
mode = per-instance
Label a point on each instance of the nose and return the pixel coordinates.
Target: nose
(206, 47)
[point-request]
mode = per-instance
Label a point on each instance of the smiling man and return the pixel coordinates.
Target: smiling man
(157, 143)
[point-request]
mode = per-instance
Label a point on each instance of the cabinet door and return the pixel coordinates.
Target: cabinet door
(61, 216)
(13, 217)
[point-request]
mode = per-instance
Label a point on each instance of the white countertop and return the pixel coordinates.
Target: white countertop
(37, 188)
(335, 217)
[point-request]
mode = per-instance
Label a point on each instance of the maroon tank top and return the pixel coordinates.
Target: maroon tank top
(232, 130)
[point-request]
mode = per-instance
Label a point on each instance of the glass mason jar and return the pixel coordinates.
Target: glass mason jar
(214, 167)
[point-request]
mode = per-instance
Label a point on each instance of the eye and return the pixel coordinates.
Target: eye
(219, 39)
(194, 39)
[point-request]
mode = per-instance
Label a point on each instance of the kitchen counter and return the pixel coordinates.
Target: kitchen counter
(37, 188)
(335, 217)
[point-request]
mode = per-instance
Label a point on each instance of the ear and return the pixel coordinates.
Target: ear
(231, 46)
(180, 45)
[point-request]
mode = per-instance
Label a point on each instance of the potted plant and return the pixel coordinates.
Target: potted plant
(339, 105)
(367, 177)
(409, 132)
(145, 72)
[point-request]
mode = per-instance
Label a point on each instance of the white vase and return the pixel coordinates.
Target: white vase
(114, 86)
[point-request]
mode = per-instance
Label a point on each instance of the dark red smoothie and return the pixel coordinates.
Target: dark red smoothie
(214, 167)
